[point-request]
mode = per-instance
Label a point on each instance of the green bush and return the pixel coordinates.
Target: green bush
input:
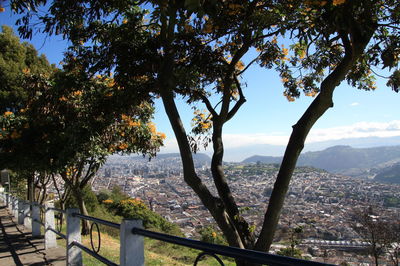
(136, 209)
(211, 235)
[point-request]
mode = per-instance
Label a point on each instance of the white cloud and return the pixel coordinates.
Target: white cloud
(357, 130)
(355, 104)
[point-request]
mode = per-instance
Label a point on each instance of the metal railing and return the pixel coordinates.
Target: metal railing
(131, 239)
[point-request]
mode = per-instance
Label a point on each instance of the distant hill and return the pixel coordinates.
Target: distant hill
(389, 175)
(343, 159)
(201, 158)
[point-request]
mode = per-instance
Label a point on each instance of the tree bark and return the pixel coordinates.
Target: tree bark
(31, 187)
(82, 208)
(242, 227)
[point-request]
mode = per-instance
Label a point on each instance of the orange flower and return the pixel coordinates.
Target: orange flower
(8, 113)
(15, 135)
(239, 65)
(338, 2)
(77, 93)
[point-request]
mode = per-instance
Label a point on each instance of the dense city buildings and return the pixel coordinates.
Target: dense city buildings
(320, 202)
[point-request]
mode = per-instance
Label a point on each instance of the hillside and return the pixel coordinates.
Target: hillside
(389, 175)
(344, 159)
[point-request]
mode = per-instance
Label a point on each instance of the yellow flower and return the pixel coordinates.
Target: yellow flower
(162, 135)
(239, 65)
(15, 135)
(214, 235)
(123, 146)
(133, 124)
(8, 113)
(125, 117)
(63, 99)
(338, 2)
(111, 83)
(26, 70)
(125, 21)
(152, 127)
(77, 93)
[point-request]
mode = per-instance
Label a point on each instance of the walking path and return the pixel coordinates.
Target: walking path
(18, 247)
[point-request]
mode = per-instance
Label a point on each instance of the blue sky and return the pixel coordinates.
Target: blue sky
(267, 117)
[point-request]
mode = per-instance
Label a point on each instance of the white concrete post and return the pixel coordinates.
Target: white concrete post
(26, 212)
(74, 254)
(8, 200)
(16, 209)
(11, 203)
(35, 217)
(22, 211)
(50, 240)
(132, 246)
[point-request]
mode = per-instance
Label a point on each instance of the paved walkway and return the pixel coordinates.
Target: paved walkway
(18, 247)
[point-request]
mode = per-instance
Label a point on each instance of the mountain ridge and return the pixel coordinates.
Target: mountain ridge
(344, 159)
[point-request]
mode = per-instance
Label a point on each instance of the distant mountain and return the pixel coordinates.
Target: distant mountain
(263, 159)
(198, 157)
(343, 159)
(389, 175)
(238, 154)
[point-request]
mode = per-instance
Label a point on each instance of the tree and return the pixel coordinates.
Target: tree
(372, 229)
(17, 58)
(336, 41)
(76, 136)
(393, 242)
(184, 50)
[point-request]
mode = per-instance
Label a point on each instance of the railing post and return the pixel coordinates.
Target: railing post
(25, 212)
(22, 211)
(74, 254)
(35, 217)
(16, 209)
(132, 246)
(50, 240)
(7, 199)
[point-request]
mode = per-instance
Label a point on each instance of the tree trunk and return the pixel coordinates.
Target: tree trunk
(300, 131)
(82, 208)
(31, 187)
(242, 227)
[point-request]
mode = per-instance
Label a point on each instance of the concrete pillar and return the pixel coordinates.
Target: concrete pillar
(15, 208)
(35, 217)
(11, 203)
(8, 200)
(23, 210)
(132, 246)
(26, 211)
(50, 238)
(74, 254)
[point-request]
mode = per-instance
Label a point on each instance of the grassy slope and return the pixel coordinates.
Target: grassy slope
(156, 252)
